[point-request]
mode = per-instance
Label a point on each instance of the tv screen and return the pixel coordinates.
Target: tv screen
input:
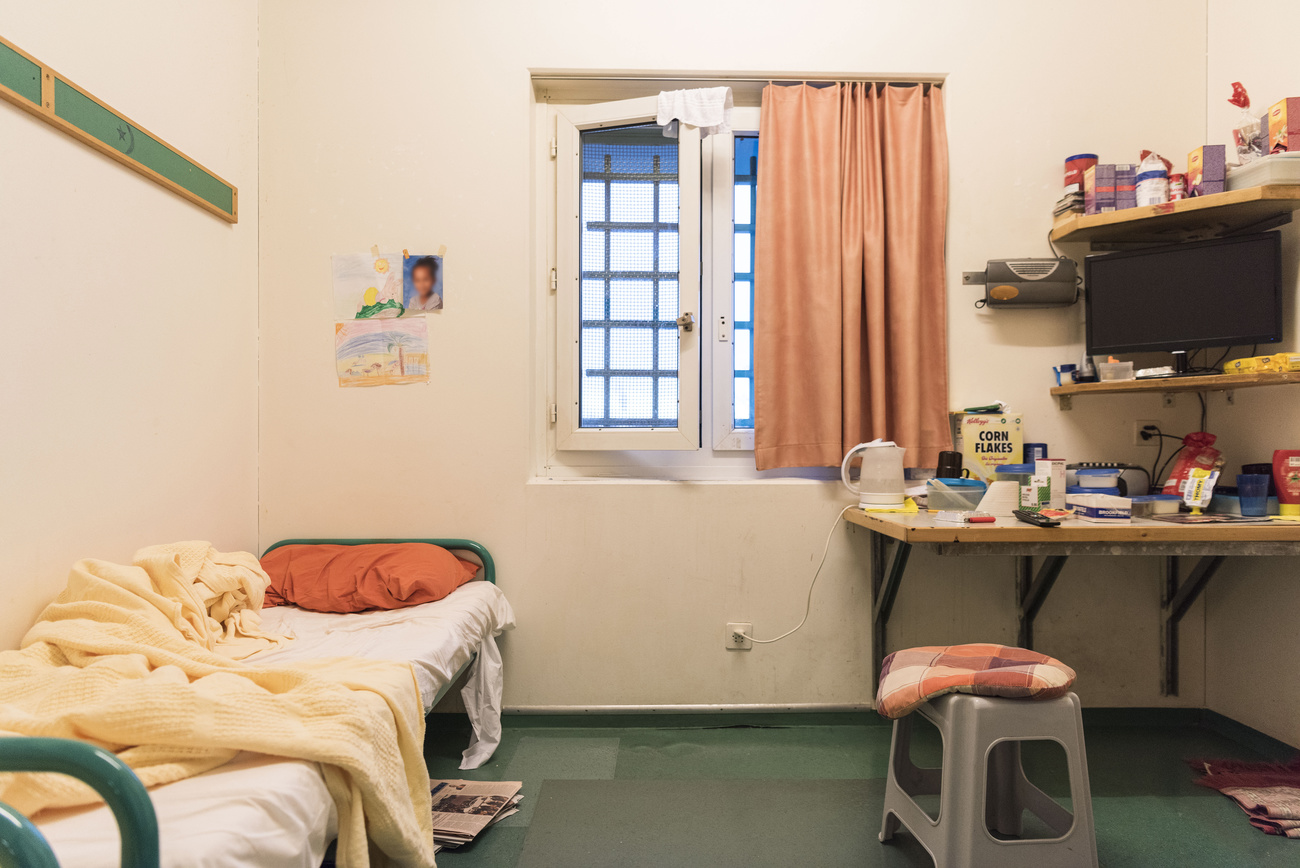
(1221, 293)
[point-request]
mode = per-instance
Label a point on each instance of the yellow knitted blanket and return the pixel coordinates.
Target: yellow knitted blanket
(138, 660)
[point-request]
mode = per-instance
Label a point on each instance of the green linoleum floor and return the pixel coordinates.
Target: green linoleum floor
(1147, 811)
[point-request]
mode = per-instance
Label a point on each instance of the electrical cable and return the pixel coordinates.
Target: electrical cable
(1204, 410)
(808, 605)
(1170, 460)
(1145, 472)
(1078, 278)
(1160, 450)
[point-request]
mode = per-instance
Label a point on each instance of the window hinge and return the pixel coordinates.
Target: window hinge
(555, 280)
(555, 414)
(555, 148)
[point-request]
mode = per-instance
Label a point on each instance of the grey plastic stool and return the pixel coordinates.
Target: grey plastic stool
(982, 784)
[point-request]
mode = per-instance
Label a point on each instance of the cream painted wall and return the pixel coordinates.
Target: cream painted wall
(128, 409)
(409, 126)
(1254, 605)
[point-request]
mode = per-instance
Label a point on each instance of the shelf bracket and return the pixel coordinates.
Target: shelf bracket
(1033, 593)
(1178, 598)
(1065, 402)
(1262, 226)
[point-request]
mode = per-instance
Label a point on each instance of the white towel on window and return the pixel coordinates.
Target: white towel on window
(708, 108)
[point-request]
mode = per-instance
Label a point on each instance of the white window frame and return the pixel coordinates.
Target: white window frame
(723, 452)
(719, 258)
(570, 122)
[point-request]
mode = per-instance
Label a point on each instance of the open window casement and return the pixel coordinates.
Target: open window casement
(628, 338)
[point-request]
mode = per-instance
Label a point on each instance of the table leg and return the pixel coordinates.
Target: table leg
(886, 576)
(1034, 594)
(1180, 598)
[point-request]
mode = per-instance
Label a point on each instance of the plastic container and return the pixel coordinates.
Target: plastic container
(1078, 489)
(954, 493)
(1283, 168)
(1227, 502)
(1107, 371)
(1098, 477)
(1148, 505)
(1020, 474)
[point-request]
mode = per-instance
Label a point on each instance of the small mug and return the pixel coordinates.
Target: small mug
(1062, 370)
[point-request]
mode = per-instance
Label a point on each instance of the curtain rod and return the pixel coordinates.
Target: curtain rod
(745, 78)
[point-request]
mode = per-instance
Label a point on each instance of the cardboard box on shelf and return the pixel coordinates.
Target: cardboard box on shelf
(1206, 170)
(1283, 126)
(1125, 186)
(986, 440)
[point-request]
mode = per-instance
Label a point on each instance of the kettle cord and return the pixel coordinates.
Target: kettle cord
(808, 605)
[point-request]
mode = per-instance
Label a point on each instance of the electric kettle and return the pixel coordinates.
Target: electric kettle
(880, 481)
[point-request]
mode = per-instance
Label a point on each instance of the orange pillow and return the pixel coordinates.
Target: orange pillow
(341, 578)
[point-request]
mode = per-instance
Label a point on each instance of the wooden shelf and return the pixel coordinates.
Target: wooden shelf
(1201, 217)
(1211, 383)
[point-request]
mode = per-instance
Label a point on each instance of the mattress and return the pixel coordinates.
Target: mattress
(437, 638)
(269, 811)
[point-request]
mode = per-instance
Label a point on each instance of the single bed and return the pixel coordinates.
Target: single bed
(269, 811)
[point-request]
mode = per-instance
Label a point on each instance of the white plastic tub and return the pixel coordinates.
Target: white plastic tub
(1115, 371)
(1281, 168)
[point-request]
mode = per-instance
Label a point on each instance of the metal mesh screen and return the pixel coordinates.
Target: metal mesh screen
(629, 267)
(743, 214)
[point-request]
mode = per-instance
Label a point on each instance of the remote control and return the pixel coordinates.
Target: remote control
(1029, 517)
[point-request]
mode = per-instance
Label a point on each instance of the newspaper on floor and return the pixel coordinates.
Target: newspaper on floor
(463, 809)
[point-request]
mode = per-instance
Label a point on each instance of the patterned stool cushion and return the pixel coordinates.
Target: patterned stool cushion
(913, 676)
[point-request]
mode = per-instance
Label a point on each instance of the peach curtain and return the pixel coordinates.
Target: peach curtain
(850, 303)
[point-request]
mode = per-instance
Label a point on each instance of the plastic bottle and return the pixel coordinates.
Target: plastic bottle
(1286, 478)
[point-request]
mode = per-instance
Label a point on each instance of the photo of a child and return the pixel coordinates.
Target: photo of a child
(422, 282)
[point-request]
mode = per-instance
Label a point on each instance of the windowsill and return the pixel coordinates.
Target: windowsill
(814, 476)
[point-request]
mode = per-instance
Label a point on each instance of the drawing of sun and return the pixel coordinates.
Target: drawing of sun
(381, 265)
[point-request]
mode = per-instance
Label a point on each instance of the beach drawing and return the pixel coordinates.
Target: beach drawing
(367, 286)
(382, 352)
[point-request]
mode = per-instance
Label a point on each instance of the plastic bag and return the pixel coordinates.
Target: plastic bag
(1198, 451)
(1153, 179)
(1246, 132)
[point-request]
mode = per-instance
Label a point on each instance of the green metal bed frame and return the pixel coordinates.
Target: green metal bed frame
(23, 846)
(455, 545)
(21, 843)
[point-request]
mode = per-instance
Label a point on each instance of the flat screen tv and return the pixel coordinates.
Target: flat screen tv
(1183, 297)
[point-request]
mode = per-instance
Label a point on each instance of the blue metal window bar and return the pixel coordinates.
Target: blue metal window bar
(631, 158)
(743, 220)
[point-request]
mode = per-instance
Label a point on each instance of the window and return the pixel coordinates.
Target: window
(654, 287)
(628, 271)
(744, 207)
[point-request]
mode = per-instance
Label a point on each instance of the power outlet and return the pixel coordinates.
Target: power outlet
(1153, 442)
(732, 639)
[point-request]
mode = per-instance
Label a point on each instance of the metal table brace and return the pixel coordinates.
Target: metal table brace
(1032, 590)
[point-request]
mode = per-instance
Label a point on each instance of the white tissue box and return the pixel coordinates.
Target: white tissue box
(1102, 508)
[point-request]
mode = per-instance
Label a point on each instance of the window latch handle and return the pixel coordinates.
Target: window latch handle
(686, 321)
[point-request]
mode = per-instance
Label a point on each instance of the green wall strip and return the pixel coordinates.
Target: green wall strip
(95, 120)
(20, 75)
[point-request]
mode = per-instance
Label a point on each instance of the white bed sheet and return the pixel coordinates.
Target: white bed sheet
(269, 812)
(438, 638)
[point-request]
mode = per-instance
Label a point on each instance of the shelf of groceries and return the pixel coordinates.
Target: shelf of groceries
(1253, 184)
(1210, 383)
(1202, 216)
